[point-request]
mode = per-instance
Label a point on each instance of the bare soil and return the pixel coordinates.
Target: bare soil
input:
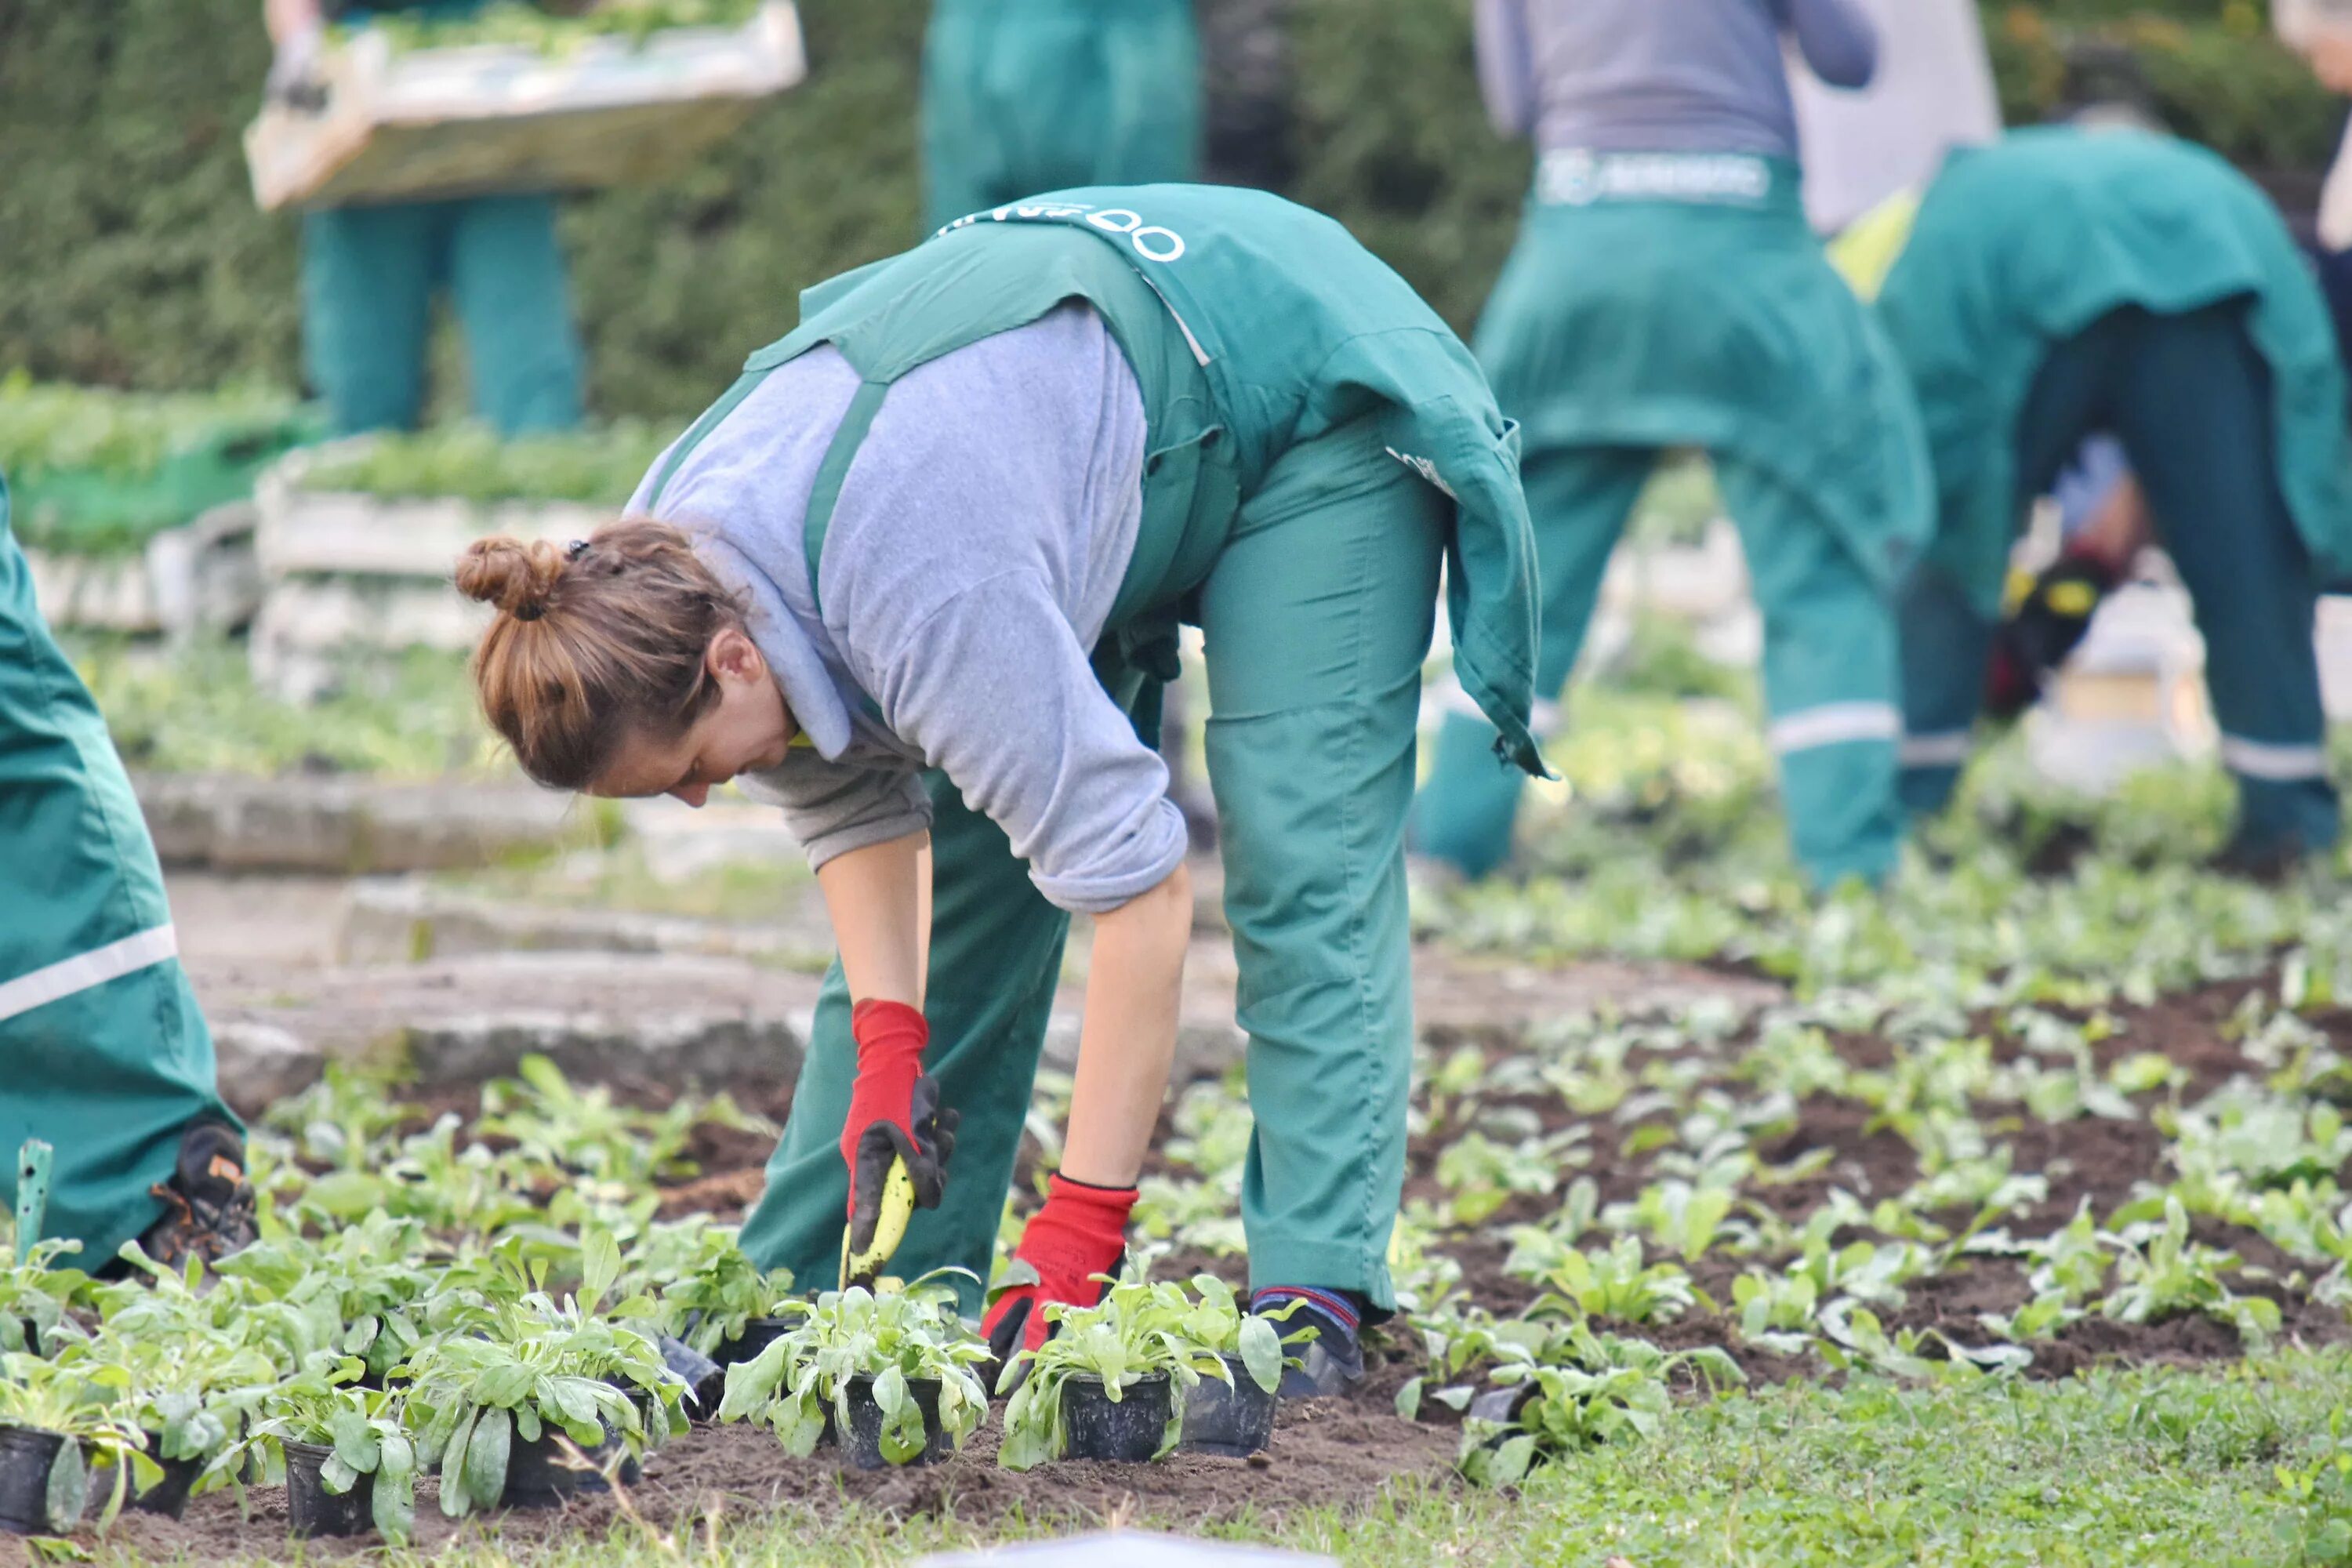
(1346, 1451)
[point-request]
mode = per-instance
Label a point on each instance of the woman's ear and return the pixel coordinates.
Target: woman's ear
(733, 659)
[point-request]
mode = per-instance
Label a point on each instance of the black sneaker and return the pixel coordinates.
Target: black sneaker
(1333, 1360)
(207, 1204)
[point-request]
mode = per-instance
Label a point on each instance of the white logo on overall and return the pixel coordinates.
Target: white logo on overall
(1150, 241)
(1572, 176)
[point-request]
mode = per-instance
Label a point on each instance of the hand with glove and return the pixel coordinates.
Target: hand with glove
(896, 1139)
(1081, 1232)
(298, 29)
(2046, 626)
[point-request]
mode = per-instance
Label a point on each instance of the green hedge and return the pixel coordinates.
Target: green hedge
(131, 254)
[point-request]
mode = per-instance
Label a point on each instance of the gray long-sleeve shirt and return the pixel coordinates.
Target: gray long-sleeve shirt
(1662, 76)
(971, 561)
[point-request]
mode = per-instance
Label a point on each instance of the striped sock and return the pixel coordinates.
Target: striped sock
(1338, 1305)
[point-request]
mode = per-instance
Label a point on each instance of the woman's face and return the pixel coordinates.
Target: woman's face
(745, 732)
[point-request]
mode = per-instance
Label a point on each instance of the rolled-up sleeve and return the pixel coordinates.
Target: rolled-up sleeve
(835, 808)
(995, 689)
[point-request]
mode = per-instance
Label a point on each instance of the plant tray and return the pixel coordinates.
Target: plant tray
(485, 118)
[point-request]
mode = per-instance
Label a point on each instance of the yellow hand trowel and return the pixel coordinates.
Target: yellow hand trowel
(889, 1229)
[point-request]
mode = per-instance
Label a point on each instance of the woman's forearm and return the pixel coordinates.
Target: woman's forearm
(1135, 982)
(880, 901)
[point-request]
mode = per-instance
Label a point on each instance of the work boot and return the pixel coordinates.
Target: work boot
(207, 1204)
(1332, 1363)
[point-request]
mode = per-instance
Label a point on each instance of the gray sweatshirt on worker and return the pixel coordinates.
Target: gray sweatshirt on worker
(971, 561)
(1662, 76)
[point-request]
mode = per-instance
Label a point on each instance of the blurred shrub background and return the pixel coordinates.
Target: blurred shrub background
(131, 254)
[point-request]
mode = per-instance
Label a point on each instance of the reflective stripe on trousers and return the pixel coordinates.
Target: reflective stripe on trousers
(54, 981)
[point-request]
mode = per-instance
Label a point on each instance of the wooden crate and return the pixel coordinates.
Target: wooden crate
(488, 118)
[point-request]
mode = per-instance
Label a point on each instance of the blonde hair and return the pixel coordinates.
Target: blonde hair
(594, 643)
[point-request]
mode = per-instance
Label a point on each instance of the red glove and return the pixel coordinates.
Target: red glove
(894, 1112)
(1080, 1232)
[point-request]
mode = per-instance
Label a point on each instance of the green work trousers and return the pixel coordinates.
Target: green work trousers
(1829, 665)
(103, 1052)
(1025, 98)
(1316, 619)
(2189, 397)
(369, 278)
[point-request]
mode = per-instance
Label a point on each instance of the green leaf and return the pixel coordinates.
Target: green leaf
(486, 1458)
(355, 1444)
(393, 1504)
(600, 1265)
(1262, 1353)
(456, 1497)
(1408, 1400)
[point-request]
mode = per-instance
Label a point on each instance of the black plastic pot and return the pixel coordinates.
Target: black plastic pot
(539, 1476)
(1229, 1422)
(1128, 1431)
(43, 1486)
(311, 1508)
(865, 1446)
(168, 1497)
(705, 1380)
(758, 1334)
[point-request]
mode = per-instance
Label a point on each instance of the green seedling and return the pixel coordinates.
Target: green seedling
(894, 1337)
(522, 1368)
(325, 1408)
(1140, 1328)
(57, 1396)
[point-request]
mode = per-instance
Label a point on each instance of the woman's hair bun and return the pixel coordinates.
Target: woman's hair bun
(516, 575)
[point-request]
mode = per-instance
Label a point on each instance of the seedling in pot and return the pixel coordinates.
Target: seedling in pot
(1234, 1416)
(1601, 1389)
(192, 1396)
(36, 1296)
(343, 1451)
(895, 1372)
(708, 1292)
(1112, 1382)
(52, 1424)
(494, 1395)
(365, 1274)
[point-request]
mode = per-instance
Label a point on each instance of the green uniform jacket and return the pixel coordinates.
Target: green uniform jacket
(2022, 245)
(1679, 300)
(1297, 329)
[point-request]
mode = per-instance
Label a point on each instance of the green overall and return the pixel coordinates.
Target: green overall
(1318, 445)
(1025, 96)
(1661, 300)
(2060, 283)
(103, 1052)
(369, 278)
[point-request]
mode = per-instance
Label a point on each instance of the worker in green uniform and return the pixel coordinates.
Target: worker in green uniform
(917, 577)
(2060, 283)
(1024, 96)
(103, 1054)
(370, 275)
(1665, 292)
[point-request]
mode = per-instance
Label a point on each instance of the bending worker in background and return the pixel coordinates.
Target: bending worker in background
(103, 1053)
(369, 274)
(917, 577)
(1024, 96)
(2060, 283)
(1666, 293)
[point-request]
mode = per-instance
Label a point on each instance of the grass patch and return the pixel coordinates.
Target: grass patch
(2151, 1466)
